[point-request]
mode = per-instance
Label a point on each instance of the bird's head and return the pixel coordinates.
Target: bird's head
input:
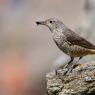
(52, 24)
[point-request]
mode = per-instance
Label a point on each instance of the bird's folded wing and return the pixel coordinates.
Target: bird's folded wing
(74, 39)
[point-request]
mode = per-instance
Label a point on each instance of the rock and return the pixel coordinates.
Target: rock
(81, 81)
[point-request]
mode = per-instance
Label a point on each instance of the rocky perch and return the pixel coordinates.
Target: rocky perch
(81, 81)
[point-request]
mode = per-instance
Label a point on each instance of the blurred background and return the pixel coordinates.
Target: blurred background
(27, 52)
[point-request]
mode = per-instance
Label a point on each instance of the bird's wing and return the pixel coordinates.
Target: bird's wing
(74, 39)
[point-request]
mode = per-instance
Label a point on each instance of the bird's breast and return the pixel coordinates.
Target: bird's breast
(58, 37)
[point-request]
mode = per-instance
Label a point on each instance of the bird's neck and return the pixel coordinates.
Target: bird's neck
(58, 36)
(58, 32)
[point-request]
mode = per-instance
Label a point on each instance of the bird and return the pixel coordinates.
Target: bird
(67, 40)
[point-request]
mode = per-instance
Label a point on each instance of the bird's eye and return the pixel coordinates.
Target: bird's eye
(51, 21)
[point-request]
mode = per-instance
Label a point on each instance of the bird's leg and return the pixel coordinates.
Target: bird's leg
(70, 62)
(67, 65)
(72, 58)
(70, 68)
(79, 59)
(75, 65)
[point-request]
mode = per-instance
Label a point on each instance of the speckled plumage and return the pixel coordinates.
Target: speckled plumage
(68, 41)
(68, 47)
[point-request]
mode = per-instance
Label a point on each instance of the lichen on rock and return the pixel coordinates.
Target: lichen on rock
(81, 81)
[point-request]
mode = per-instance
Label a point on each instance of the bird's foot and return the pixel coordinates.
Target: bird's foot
(70, 68)
(61, 67)
(67, 69)
(61, 71)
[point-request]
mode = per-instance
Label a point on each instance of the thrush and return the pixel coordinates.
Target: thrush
(68, 41)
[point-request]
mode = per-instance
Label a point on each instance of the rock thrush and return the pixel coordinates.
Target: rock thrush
(68, 41)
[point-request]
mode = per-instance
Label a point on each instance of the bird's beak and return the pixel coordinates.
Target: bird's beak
(40, 23)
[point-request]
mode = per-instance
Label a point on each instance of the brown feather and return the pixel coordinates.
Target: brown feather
(74, 39)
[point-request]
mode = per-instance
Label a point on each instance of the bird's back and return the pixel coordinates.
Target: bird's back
(74, 39)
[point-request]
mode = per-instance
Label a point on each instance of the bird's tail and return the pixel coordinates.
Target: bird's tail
(92, 51)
